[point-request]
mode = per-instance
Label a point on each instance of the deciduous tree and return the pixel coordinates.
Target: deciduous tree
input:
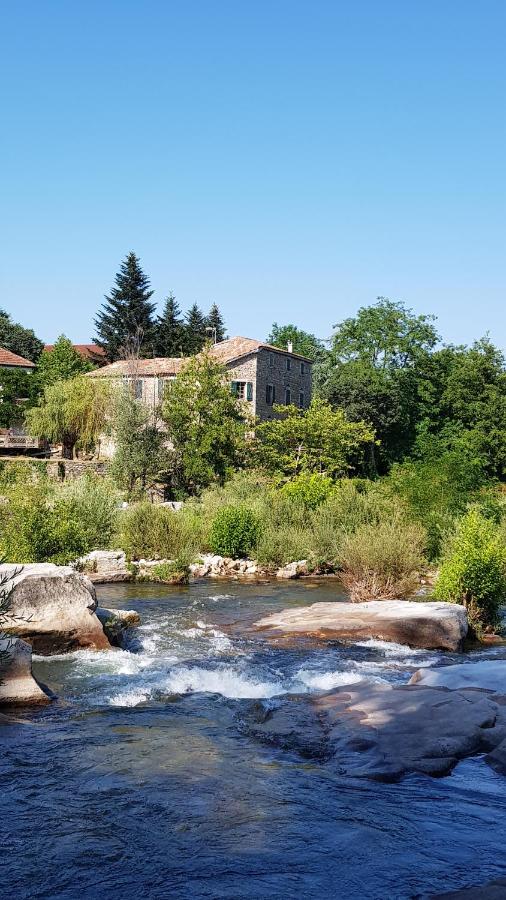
(73, 413)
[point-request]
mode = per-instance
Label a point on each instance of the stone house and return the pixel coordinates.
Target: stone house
(260, 375)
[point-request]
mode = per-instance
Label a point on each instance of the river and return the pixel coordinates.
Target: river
(140, 783)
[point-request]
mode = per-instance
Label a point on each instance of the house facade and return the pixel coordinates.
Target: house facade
(260, 375)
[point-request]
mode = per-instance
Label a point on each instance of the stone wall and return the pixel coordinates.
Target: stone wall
(63, 469)
(272, 369)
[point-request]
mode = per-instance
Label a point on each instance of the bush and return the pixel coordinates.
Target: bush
(473, 571)
(157, 532)
(309, 489)
(382, 561)
(234, 532)
(44, 522)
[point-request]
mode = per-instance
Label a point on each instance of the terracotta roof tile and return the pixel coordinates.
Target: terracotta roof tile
(12, 359)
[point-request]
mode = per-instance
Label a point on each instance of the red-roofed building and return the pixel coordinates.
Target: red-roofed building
(91, 352)
(9, 360)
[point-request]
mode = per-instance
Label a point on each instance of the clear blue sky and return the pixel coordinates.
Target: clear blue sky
(288, 160)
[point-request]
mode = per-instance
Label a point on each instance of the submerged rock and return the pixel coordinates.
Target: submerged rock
(17, 684)
(383, 732)
(53, 608)
(431, 626)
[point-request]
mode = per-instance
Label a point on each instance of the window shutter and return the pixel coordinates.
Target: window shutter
(249, 390)
(233, 388)
(273, 394)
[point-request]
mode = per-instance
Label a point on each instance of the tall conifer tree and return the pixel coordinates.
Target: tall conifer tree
(170, 336)
(195, 334)
(125, 322)
(214, 320)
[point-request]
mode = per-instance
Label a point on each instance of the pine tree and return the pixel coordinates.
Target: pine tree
(125, 322)
(214, 322)
(170, 330)
(195, 334)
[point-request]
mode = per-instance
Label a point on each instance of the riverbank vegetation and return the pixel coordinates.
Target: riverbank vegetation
(395, 469)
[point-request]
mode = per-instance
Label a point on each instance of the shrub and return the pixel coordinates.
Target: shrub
(234, 531)
(153, 532)
(473, 571)
(92, 503)
(309, 489)
(380, 561)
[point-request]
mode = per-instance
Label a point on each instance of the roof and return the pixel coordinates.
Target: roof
(225, 352)
(234, 348)
(7, 358)
(160, 365)
(89, 351)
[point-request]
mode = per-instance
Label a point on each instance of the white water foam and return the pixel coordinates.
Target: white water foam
(326, 681)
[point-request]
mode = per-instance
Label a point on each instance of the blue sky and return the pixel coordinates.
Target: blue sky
(288, 160)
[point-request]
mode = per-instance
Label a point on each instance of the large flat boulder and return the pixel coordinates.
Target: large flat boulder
(487, 674)
(384, 732)
(431, 626)
(17, 684)
(53, 608)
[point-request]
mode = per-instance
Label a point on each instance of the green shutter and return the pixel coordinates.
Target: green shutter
(233, 388)
(249, 391)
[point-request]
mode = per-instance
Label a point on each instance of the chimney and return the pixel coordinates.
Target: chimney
(289, 346)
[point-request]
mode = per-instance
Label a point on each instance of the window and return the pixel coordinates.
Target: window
(288, 396)
(270, 394)
(138, 388)
(302, 368)
(243, 390)
(302, 400)
(249, 390)
(162, 384)
(288, 363)
(271, 360)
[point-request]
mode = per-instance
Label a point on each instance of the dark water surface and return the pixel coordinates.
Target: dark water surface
(139, 782)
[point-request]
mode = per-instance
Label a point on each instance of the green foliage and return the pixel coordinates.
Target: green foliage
(177, 571)
(310, 489)
(19, 340)
(195, 335)
(382, 561)
(317, 439)
(45, 522)
(303, 342)
(147, 531)
(215, 325)
(170, 331)
(18, 392)
(437, 489)
(61, 363)
(124, 325)
(473, 571)
(234, 532)
(74, 413)
(140, 457)
(205, 424)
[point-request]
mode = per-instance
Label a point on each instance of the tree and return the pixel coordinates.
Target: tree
(387, 335)
(170, 332)
(303, 342)
(215, 325)
(374, 371)
(61, 363)
(126, 318)
(18, 391)
(463, 401)
(317, 439)
(17, 339)
(73, 412)
(195, 334)
(140, 455)
(205, 423)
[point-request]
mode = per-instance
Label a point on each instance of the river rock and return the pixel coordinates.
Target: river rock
(17, 684)
(383, 732)
(293, 569)
(105, 566)
(116, 623)
(489, 674)
(431, 626)
(53, 608)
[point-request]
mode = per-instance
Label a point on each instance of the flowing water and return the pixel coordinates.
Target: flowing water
(140, 783)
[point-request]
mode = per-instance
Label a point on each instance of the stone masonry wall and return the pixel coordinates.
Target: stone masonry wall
(271, 369)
